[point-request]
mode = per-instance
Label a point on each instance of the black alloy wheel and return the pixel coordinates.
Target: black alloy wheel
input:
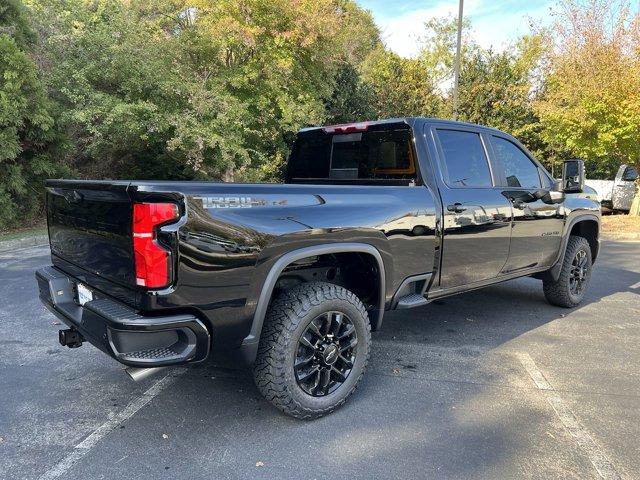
(579, 272)
(326, 353)
(313, 350)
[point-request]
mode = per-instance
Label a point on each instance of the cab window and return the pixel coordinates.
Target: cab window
(518, 168)
(630, 174)
(465, 160)
(372, 154)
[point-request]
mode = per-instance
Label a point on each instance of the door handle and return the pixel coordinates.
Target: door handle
(456, 208)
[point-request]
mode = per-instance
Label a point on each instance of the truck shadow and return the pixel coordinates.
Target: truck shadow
(492, 316)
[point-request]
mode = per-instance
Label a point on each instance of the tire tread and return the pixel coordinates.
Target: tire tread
(282, 318)
(557, 292)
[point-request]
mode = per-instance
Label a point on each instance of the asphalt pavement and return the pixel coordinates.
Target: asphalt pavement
(491, 384)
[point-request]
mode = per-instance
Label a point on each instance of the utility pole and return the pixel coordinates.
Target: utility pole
(456, 65)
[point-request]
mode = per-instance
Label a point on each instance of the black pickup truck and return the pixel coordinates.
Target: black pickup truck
(292, 278)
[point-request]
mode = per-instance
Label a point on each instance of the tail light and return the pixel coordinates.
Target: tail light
(151, 259)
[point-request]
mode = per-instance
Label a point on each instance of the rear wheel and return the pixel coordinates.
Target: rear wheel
(313, 350)
(569, 290)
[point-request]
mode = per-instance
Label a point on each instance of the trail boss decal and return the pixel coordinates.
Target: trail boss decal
(243, 202)
(230, 202)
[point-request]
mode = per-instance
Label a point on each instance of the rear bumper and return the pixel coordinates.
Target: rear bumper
(118, 330)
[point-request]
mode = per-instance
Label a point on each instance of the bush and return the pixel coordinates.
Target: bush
(30, 143)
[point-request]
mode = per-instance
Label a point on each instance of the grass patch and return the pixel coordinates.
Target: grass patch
(621, 225)
(22, 233)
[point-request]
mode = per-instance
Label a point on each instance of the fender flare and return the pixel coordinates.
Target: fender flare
(250, 342)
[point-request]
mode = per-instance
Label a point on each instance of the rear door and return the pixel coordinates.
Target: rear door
(476, 217)
(537, 226)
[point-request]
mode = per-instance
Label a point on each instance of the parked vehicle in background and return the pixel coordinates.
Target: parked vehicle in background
(616, 195)
(292, 278)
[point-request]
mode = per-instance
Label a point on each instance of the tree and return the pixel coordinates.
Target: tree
(352, 99)
(30, 144)
(498, 90)
(200, 89)
(400, 86)
(438, 50)
(590, 105)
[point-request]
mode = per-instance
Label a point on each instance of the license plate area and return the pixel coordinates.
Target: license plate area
(84, 294)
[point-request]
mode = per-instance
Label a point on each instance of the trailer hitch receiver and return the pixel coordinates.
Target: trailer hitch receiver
(70, 338)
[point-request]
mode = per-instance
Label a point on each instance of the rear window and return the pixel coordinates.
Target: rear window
(382, 152)
(465, 160)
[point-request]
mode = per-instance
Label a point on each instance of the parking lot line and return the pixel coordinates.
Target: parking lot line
(85, 446)
(583, 438)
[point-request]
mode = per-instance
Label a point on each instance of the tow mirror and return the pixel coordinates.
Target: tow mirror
(573, 176)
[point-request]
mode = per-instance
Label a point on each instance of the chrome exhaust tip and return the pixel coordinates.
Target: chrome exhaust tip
(139, 374)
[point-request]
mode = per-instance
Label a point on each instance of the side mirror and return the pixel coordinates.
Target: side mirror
(573, 176)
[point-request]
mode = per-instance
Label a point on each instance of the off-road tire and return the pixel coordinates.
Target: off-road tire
(286, 321)
(559, 292)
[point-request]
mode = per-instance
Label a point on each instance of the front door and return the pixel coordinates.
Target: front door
(537, 226)
(476, 217)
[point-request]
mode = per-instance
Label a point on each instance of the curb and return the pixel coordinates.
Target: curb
(25, 242)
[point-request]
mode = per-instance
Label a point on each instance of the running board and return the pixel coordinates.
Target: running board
(411, 301)
(411, 292)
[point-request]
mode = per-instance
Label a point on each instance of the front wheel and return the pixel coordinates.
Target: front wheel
(569, 290)
(313, 350)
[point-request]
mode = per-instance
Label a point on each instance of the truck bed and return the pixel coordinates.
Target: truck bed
(228, 237)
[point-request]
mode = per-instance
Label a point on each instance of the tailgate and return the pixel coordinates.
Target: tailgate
(90, 226)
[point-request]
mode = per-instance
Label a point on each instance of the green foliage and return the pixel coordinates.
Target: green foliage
(13, 22)
(590, 104)
(497, 89)
(210, 89)
(29, 141)
(177, 89)
(352, 99)
(400, 86)
(438, 50)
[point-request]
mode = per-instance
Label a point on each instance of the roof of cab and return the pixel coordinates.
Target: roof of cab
(412, 121)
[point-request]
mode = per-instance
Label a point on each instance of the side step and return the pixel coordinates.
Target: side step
(410, 301)
(411, 292)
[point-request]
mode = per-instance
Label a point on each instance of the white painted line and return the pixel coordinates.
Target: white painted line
(85, 446)
(583, 438)
(635, 285)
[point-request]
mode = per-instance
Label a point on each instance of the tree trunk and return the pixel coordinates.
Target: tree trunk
(635, 205)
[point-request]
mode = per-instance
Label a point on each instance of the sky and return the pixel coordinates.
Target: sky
(494, 23)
